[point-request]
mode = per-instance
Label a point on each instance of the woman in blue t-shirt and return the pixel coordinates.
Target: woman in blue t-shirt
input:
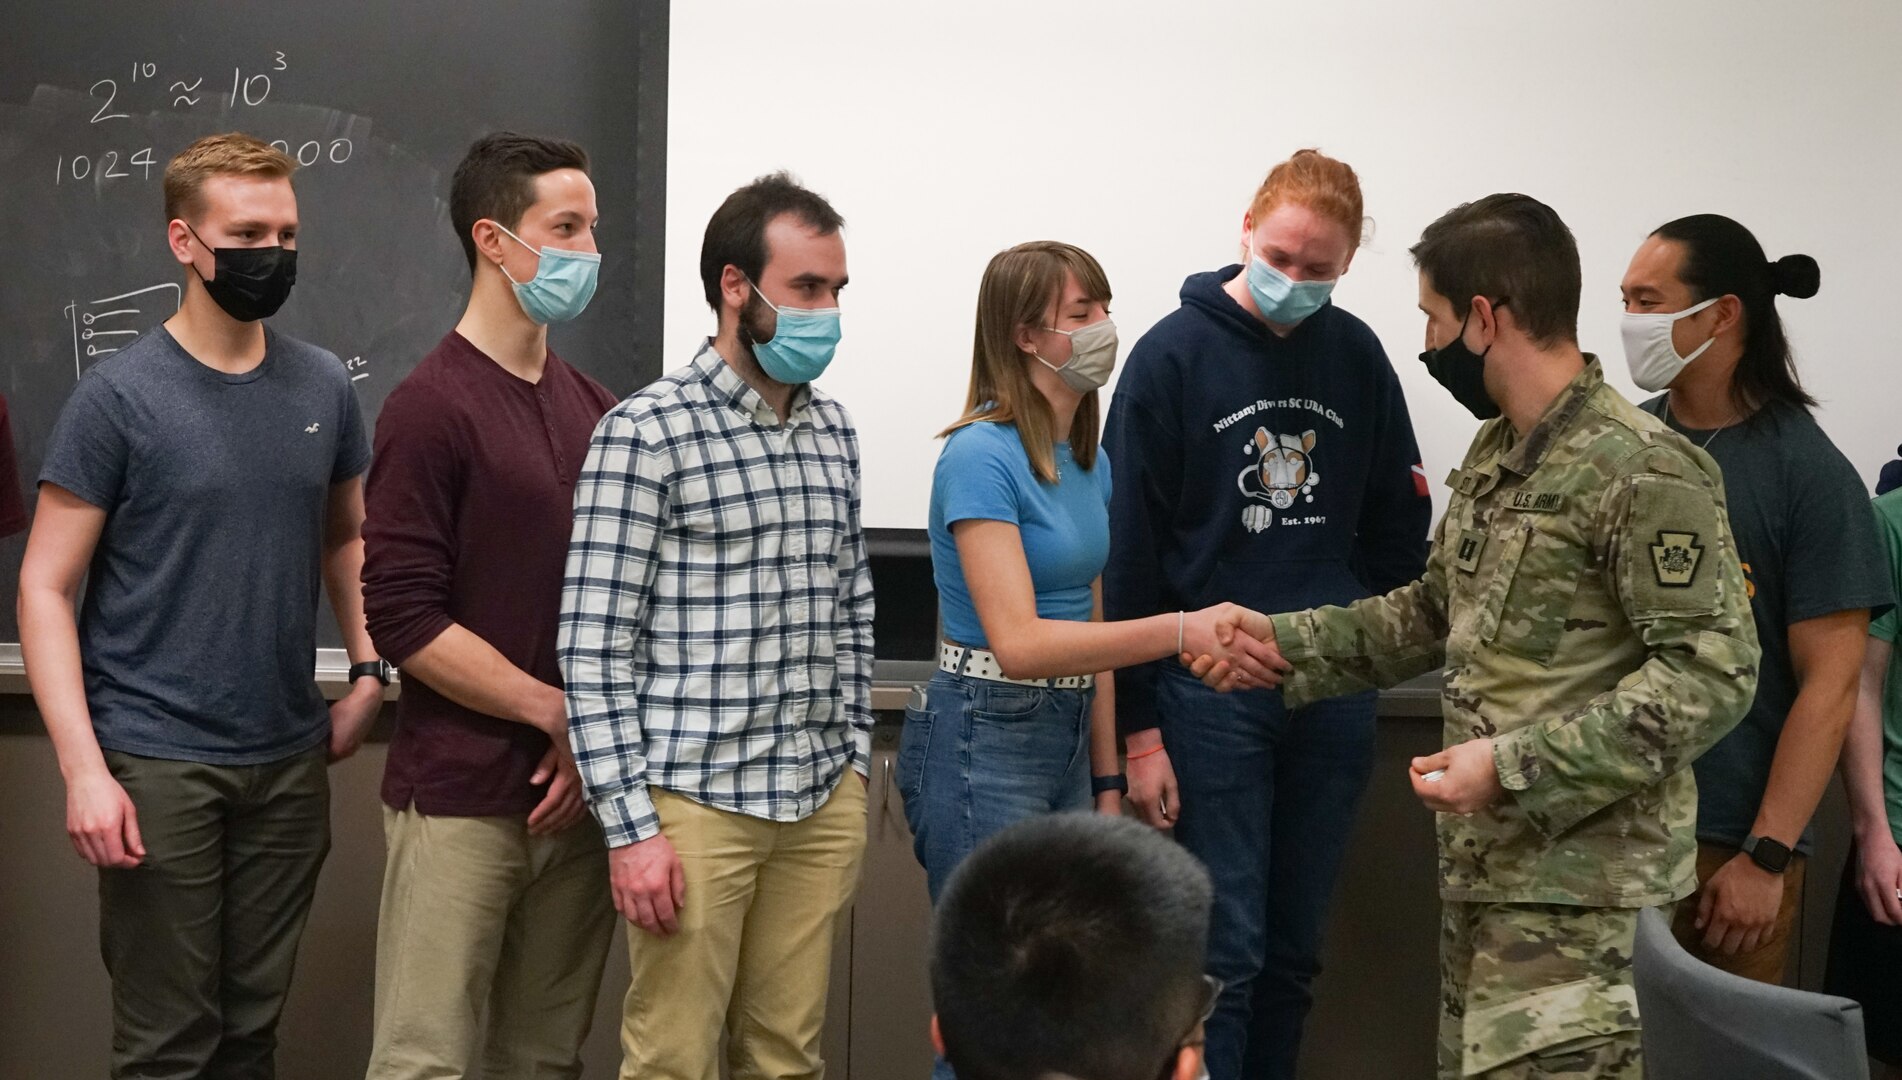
(1019, 719)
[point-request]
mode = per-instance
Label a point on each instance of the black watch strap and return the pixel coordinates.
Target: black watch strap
(1117, 782)
(378, 669)
(1772, 855)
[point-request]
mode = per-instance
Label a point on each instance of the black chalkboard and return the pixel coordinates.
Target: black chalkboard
(377, 99)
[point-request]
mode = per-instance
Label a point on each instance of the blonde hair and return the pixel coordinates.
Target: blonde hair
(1318, 182)
(1019, 286)
(231, 154)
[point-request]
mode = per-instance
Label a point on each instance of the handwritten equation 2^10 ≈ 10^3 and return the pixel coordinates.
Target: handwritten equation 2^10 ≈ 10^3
(247, 90)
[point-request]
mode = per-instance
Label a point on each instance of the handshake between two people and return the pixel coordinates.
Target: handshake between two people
(1230, 647)
(1233, 648)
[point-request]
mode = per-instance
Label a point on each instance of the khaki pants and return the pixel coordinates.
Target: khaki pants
(200, 938)
(1530, 990)
(1766, 962)
(480, 920)
(764, 903)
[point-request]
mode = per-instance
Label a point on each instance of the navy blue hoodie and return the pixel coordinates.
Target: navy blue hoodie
(1277, 473)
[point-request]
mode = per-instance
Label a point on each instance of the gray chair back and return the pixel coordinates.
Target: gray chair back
(1704, 1024)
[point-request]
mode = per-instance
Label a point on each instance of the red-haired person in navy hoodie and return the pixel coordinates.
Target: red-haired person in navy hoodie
(1263, 454)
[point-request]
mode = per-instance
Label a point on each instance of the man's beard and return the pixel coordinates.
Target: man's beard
(756, 322)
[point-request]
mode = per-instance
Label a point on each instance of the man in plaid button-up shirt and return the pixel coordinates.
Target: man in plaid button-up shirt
(716, 642)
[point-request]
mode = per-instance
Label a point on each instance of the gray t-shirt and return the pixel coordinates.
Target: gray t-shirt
(1810, 548)
(198, 628)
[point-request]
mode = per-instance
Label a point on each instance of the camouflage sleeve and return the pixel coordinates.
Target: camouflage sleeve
(1669, 558)
(1371, 643)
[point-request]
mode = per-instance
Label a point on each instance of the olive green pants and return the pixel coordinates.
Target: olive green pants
(201, 937)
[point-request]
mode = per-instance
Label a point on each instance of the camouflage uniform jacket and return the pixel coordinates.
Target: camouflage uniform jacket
(1584, 593)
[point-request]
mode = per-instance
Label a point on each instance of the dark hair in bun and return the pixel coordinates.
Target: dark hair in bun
(1795, 276)
(1722, 258)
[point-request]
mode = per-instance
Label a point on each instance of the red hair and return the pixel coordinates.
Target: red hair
(1318, 182)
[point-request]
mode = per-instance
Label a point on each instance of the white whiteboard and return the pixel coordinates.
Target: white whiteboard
(1139, 130)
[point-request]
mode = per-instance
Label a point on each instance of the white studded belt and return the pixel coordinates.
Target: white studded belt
(982, 664)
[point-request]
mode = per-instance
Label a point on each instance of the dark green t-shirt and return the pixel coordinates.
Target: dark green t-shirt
(1889, 629)
(1810, 548)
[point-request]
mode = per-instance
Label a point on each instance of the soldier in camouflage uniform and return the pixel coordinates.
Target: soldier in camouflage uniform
(1584, 594)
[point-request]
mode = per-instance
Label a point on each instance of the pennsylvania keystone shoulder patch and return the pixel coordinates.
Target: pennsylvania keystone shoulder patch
(1675, 557)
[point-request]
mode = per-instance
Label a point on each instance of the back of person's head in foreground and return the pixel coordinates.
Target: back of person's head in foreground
(1072, 945)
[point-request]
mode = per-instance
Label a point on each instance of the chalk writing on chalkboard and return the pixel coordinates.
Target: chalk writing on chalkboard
(377, 102)
(101, 326)
(249, 89)
(128, 122)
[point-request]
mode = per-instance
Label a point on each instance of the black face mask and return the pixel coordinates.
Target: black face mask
(249, 283)
(1463, 372)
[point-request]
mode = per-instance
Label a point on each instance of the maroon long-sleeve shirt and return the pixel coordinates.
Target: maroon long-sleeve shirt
(12, 503)
(468, 508)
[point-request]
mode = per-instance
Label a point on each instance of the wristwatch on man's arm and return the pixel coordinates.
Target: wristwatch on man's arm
(378, 669)
(1772, 855)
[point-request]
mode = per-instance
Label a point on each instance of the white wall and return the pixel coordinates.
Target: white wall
(1139, 130)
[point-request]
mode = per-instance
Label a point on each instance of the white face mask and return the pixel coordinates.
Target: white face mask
(1650, 351)
(1092, 356)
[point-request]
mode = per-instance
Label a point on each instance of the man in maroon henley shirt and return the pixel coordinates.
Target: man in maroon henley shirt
(495, 894)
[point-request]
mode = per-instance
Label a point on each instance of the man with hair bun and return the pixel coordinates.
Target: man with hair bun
(1701, 322)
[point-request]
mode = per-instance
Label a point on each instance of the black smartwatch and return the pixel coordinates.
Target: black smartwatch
(1770, 854)
(378, 669)
(1117, 782)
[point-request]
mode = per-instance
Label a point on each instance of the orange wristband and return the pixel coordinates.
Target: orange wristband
(1156, 749)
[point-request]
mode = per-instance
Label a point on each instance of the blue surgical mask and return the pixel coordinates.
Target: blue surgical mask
(802, 344)
(563, 284)
(1281, 299)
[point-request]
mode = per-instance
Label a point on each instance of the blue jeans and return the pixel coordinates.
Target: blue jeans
(982, 755)
(1268, 802)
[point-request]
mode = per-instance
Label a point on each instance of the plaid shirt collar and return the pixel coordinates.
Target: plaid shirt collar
(728, 387)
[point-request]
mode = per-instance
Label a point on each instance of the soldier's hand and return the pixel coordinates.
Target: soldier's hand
(1468, 781)
(1737, 908)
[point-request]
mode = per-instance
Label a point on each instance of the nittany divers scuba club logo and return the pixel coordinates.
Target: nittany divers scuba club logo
(1282, 472)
